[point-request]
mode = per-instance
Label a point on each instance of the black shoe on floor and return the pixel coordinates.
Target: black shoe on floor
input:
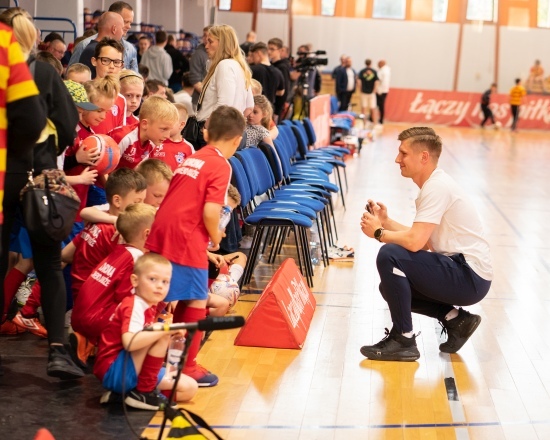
(154, 400)
(61, 365)
(110, 397)
(459, 330)
(394, 347)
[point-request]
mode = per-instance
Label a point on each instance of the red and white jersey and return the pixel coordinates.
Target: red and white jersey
(130, 316)
(132, 150)
(132, 119)
(105, 288)
(173, 153)
(93, 244)
(178, 232)
(116, 117)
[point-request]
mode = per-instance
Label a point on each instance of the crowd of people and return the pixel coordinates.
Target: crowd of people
(149, 227)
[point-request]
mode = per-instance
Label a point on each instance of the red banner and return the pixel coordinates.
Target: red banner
(281, 317)
(319, 114)
(463, 109)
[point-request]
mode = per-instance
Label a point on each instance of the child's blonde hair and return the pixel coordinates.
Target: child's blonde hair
(182, 111)
(147, 260)
(257, 88)
(233, 194)
(154, 171)
(131, 78)
(108, 87)
(156, 108)
(265, 106)
(77, 68)
(134, 219)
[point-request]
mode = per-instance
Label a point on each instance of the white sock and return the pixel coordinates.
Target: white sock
(408, 334)
(452, 314)
(236, 272)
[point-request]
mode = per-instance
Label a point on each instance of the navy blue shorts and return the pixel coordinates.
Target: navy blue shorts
(187, 283)
(115, 374)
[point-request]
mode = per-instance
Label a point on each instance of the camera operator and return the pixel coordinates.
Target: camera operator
(306, 72)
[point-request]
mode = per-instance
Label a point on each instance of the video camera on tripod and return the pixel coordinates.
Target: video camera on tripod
(309, 60)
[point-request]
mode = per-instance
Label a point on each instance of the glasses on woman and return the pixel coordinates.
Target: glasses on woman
(107, 61)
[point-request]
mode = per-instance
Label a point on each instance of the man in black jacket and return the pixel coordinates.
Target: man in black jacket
(179, 62)
(274, 47)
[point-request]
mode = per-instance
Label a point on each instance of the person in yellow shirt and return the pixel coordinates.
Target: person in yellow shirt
(516, 95)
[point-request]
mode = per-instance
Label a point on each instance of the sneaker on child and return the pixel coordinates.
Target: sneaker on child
(8, 328)
(203, 377)
(246, 242)
(81, 349)
(32, 325)
(24, 291)
(459, 330)
(394, 347)
(153, 401)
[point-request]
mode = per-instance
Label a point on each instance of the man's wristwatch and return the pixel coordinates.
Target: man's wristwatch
(378, 234)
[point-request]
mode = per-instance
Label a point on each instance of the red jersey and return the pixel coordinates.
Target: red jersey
(93, 244)
(116, 117)
(132, 151)
(131, 315)
(105, 288)
(132, 119)
(82, 133)
(178, 232)
(173, 153)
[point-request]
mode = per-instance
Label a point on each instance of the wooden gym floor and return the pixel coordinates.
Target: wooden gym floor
(496, 387)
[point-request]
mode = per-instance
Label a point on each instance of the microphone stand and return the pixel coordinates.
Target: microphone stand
(183, 359)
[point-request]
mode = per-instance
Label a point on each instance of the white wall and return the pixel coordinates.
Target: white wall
(477, 59)
(72, 10)
(419, 54)
(241, 22)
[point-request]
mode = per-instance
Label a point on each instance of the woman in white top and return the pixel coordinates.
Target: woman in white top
(228, 81)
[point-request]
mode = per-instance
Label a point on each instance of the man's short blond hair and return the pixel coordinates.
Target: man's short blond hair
(77, 68)
(423, 136)
(156, 108)
(149, 259)
(154, 171)
(134, 220)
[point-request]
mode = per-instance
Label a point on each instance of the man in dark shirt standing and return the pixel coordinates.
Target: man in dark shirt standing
(197, 66)
(274, 47)
(485, 101)
(179, 62)
(369, 80)
(269, 77)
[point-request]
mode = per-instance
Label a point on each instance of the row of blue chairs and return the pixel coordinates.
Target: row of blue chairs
(296, 193)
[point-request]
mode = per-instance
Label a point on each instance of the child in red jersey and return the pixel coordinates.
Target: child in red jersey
(109, 283)
(131, 87)
(189, 216)
(146, 350)
(175, 149)
(138, 142)
(97, 240)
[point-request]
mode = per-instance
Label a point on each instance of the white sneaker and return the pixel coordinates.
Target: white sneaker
(246, 242)
(24, 291)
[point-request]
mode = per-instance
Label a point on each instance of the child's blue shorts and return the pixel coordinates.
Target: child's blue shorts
(187, 283)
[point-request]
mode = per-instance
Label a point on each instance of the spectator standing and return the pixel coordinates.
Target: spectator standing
(180, 64)
(384, 75)
(197, 66)
(516, 96)
(274, 49)
(369, 81)
(158, 60)
(250, 40)
(144, 43)
(346, 80)
(485, 101)
(130, 54)
(269, 77)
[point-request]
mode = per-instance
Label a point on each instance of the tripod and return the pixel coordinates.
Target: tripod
(301, 96)
(183, 358)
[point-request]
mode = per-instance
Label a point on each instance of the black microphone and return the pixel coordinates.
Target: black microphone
(321, 52)
(211, 323)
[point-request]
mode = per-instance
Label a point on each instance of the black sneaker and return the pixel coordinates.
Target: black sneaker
(109, 397)
(459, 330)
(154, 400)
(61, 365)
(394, 347)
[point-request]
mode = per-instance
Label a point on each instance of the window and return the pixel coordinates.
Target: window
(389, 9)
(327, 7)
(543, 15)
(275, 4)
(439, 11)
(224, 5)
(481, 10)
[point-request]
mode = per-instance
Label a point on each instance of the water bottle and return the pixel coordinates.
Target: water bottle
(175, 350)
(225, 216)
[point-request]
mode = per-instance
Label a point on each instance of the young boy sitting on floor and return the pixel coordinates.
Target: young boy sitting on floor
(143, 371)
